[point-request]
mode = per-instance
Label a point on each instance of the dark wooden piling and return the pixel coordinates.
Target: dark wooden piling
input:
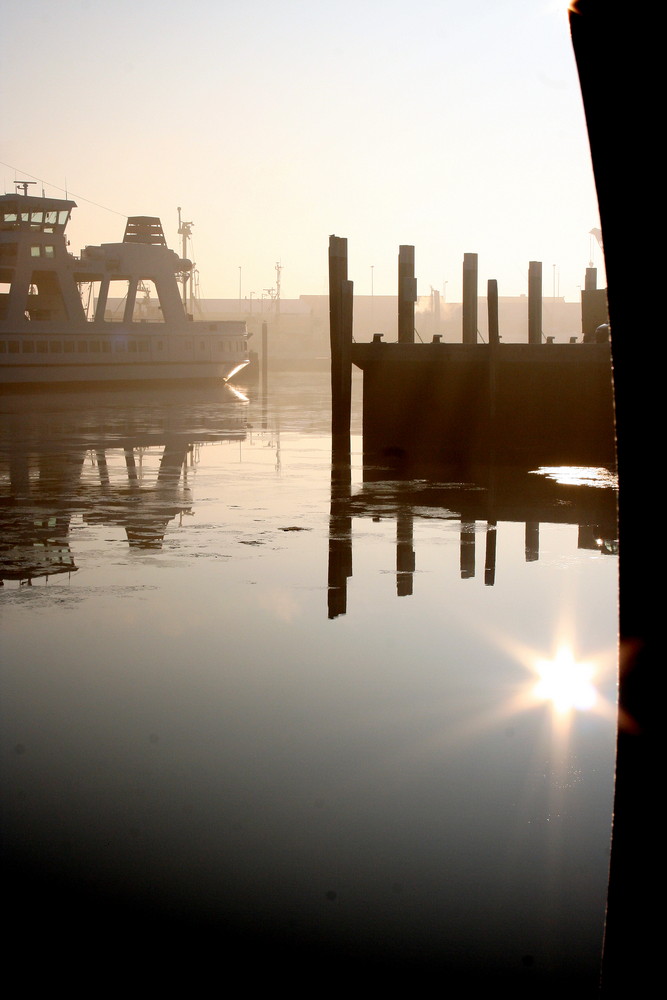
(265, 356)
(469, 305)
(494, 341)
(594, 309)
(407, 294)
(264, 376)
(535, 302)
(340, 334)
(492, 301)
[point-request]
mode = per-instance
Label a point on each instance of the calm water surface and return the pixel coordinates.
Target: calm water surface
(375, 725)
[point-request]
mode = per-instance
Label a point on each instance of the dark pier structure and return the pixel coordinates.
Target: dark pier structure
(427, 404)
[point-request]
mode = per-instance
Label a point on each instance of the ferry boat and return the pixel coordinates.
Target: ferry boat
(55, 324)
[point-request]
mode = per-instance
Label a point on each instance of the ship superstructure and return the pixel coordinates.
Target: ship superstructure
(54, 322)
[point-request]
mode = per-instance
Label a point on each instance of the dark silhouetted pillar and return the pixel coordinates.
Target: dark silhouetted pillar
(407, 295)
(535, 302)
(340, 333)
(469, 306)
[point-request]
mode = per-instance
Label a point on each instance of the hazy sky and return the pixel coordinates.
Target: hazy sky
(453, 126)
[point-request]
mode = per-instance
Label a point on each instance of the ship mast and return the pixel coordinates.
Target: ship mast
(185, 231)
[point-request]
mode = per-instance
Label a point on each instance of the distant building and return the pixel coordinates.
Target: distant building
(298, 329)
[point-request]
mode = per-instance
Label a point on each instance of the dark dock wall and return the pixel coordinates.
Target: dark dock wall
(435, 403)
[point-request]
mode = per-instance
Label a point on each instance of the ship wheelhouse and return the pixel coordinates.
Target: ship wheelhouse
(33, 250)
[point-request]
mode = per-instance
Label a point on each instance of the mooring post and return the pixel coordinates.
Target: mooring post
(470, 298)
(492, 300)
(535, 302)
(265, 356)
(264, 375)
(340, 334)
(494, 340)
(407, 294)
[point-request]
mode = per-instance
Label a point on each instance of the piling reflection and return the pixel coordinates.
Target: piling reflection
(493, 497)
(107, 460)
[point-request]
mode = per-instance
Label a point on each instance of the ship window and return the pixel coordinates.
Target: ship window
(3, 346)
(82, 346)
(120, 346)
(95, 346)
(56, 347)
(144, 345)
(42, 346)
(218, 344)
(51, 217)
(9, 217)
(147, 304)
(132, 346)
(202, 345)
(160, 345)
(34, 251)
(69, 347)
(49, 251)
(13, 347)
(28, 347)
(63, 216)
(106, 347)
(36, 218)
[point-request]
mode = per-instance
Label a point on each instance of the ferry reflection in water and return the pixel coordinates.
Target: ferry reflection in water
(312, 720)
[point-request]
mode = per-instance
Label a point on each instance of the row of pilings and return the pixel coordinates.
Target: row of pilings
(441, 401)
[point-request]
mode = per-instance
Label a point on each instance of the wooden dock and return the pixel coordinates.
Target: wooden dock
(438, 403)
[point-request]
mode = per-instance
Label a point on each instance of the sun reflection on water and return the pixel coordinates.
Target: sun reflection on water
(564, 683)
(578, 475)
(567, 684)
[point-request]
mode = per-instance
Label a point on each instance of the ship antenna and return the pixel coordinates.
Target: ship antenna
(185, 230)
(24, 185)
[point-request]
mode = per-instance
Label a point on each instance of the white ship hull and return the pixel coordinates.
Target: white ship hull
(54, 374)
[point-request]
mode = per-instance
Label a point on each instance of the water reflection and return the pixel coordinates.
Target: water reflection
(107, 459)
(309, 720)
(582, 497)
